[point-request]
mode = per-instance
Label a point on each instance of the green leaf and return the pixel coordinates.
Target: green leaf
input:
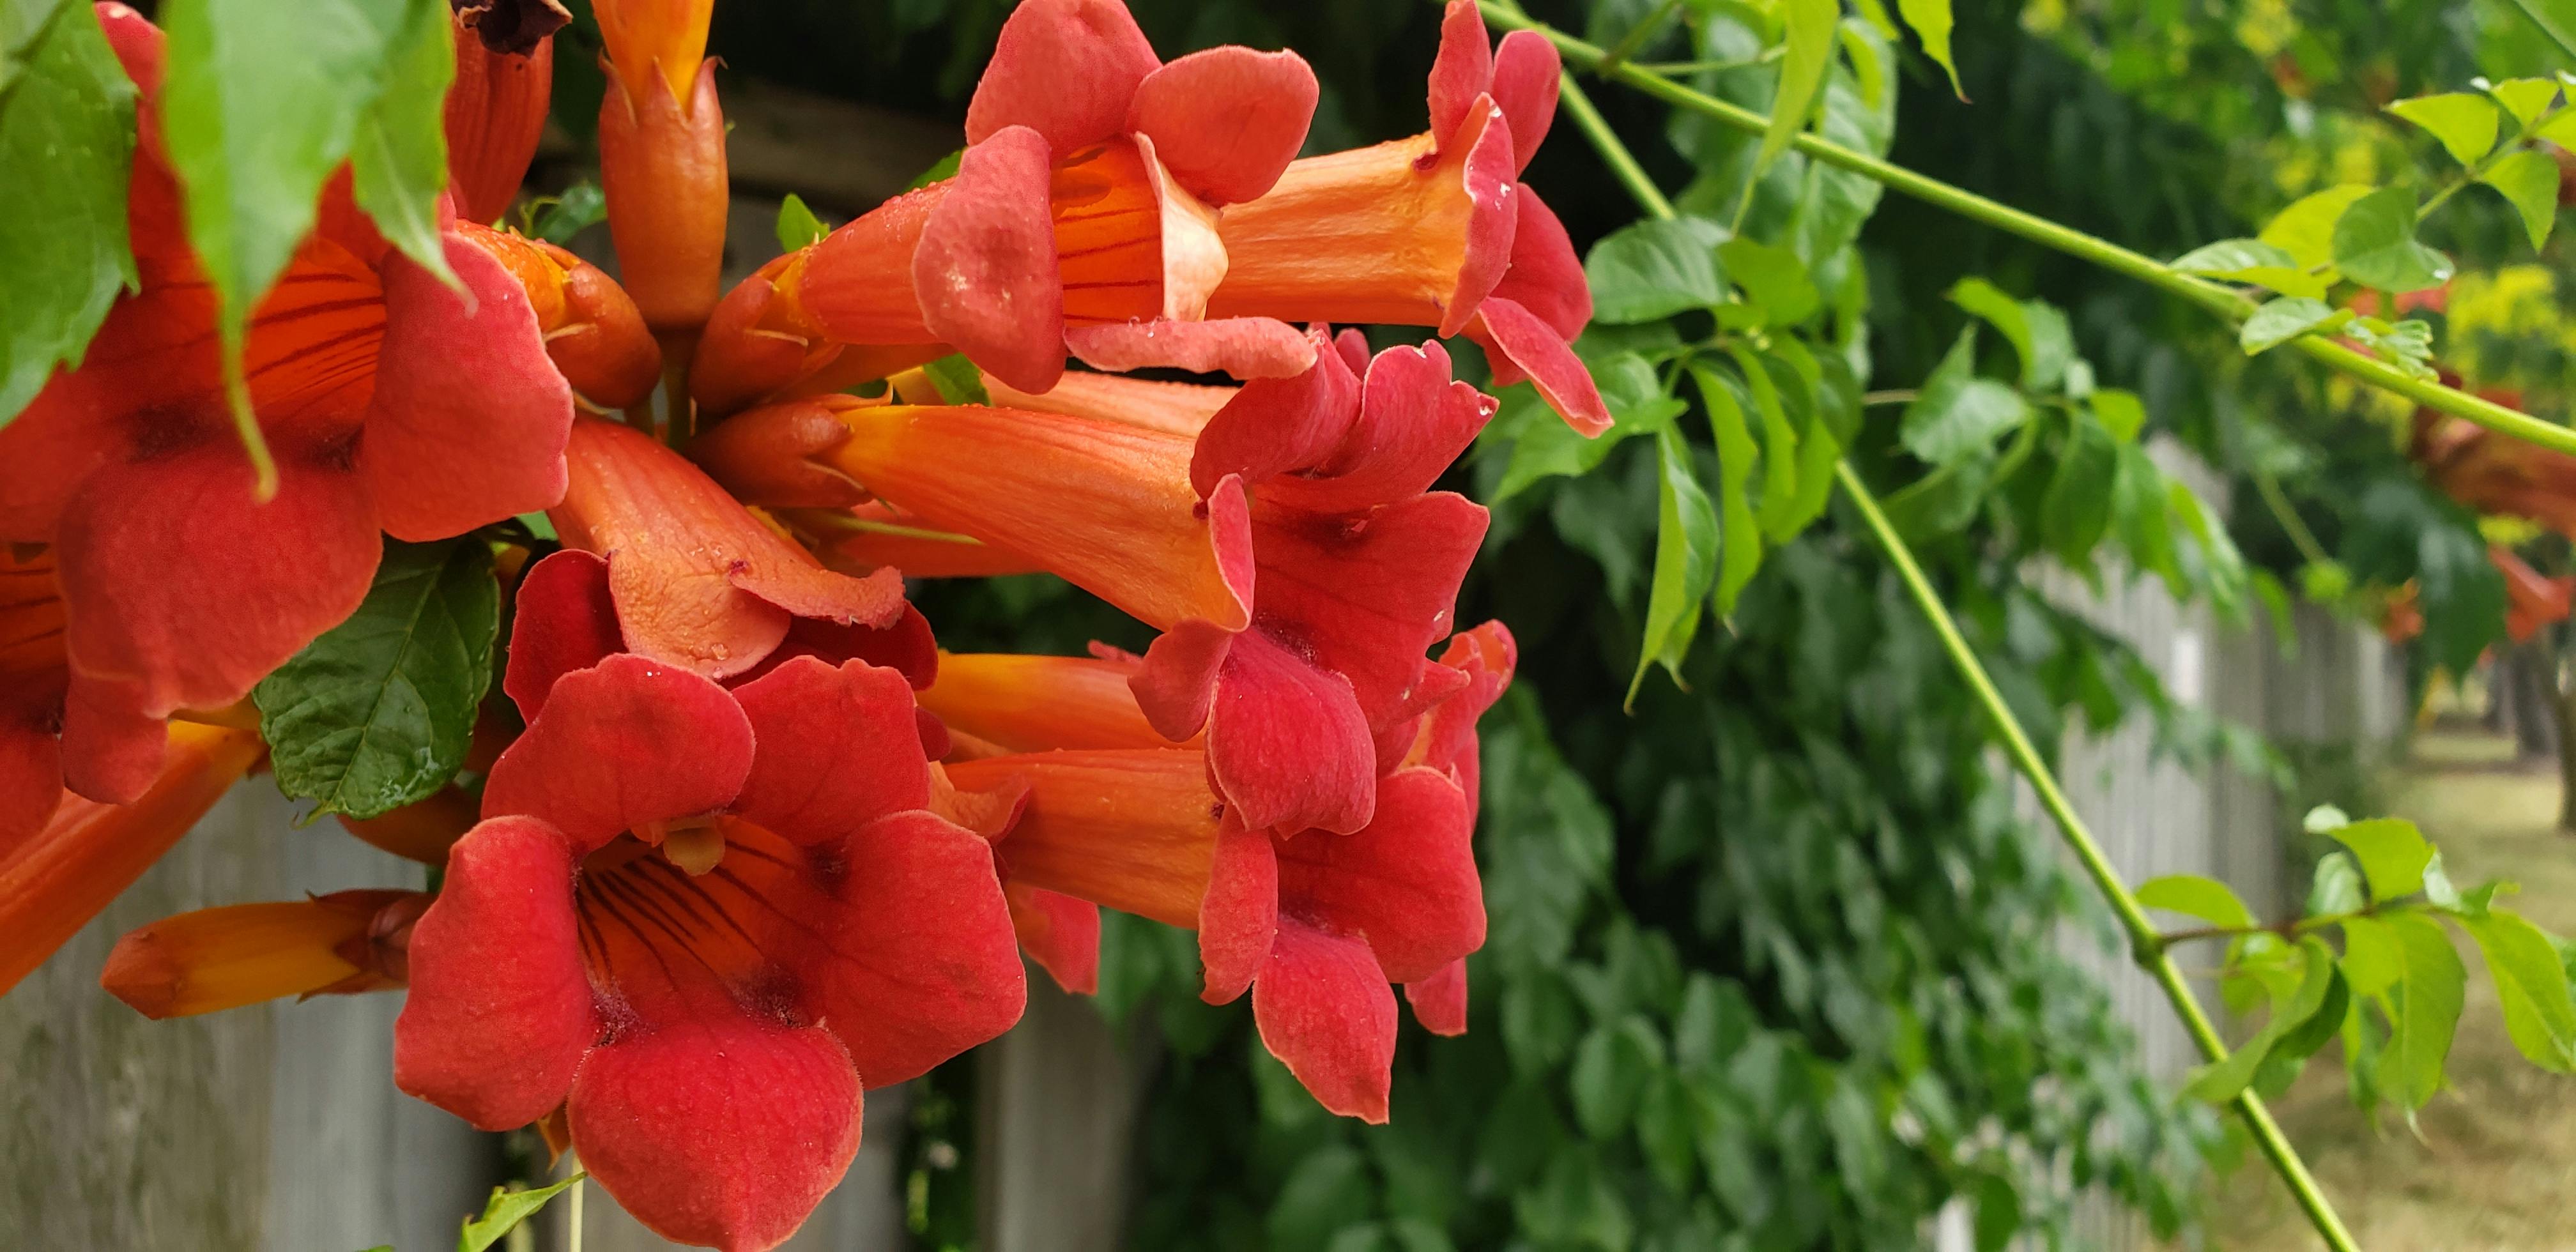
(2528, 180)
(2222, 1079)
(2525, 98)
(398, 159)
(958, 380)
(2426, 1010)
(507, 1209)
(2335, 889)
(2075, 512)
(1773, 279)
(1810, 52)
(261, 100)
(1958, 414)
(1739, 535)
(2286, 318)
(2306, 229)
(2039, 334)
(2531, 984)
(1931, 22)
(1654, 269)
(1778, 516)
(1998, 1212)
(2121, 413)
(1328, 1190)
(2374, 244)
(1686, 542)
(2373, 960)
(2253, 261)
(797, 225)
(67, 142)
(1545, 446)
(1611, 1070)
(580, 207)
(2464, 121)
(2392, 852)
(378, 711)
(2208, 899)
(1668, 1130)
(944, 167)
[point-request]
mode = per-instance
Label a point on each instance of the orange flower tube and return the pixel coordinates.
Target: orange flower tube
(1039, 703)
(1131, 829)
(594, 334)
(662, 158)
(62, 876)
(496, 107)
(242, 954)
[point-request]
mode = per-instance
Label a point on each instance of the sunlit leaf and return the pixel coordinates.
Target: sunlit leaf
(505, 1210)
(2464, 121)
(2392, 852)
(2286, 318)
(2121, 413)
(1772, 278)
(2525, 98)
(1739, 536)
(1931, 22)
(2038, 332)
(1811, 25)
(2528, 180)
(2305, 230)
(797, 225)
(2208, 899)
(2253, 261)
(2374, 244)
(2532, 986)
(2222, 1079)
(398, 159)
(2426, 1010)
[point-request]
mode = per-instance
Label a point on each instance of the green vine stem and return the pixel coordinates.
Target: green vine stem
(2146, 945)
(2144, 942)
(2222, 301)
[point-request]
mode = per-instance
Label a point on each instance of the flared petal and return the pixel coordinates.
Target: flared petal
(921, 963)
(1352, 446)
(1546, 275)
(1365, 596)
(1440, 1001)
(1406, 883)
(1060, 933)
(1325, 1009)
(723, 1132)
(1487, 656)
(622, 745)
(835, 749)
(111, 748)
(1527, 72)
(565, 620)
(1287, 741)
(986, 268)
(1040, 703)
(1226, 120)
(1239, 918)
(1464, 67)
(182, 582)
(469, 418)
(1242, 347)
(1274, 426)
(499, 1015)
(1515, 337)
(57, 879)
(720, 603)
(1066, 69)
(1132, 829)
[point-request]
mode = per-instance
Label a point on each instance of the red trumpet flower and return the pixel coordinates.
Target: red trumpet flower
(496, 107)
(1290, 553)
(1083, 216)
(2494, 473)
(58, 729)
(392, 403)
(1315, 924)
(54, 881)
(2532, 600)
(735, 596)
(702, 921)
(1434, 230)
(594, 334)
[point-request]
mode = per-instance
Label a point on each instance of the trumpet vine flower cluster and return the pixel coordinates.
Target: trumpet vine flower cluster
(735, 840)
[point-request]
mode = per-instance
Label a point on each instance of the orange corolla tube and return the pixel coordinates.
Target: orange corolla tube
(225, 958)
(422, 831)
(2532, 599)
(1041, 703)
(1128, 829)
(62, 876)
(496, 107)
(594, 334)
(1176, 408)
(662, 158)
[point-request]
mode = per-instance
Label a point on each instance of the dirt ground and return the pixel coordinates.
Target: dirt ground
(2495, 1169)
